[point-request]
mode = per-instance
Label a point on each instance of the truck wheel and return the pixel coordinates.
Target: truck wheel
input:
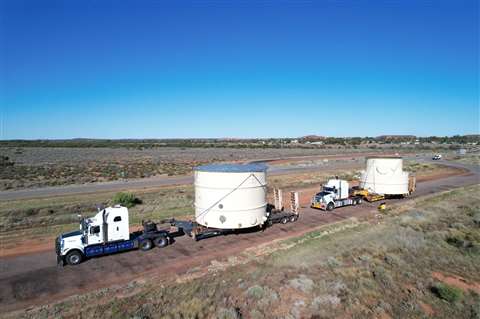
(293, 219)
(284, 220)
(330, 206)
(161, 241)
(74, 258)
(146, 244)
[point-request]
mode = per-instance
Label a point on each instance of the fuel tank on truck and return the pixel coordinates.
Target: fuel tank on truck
(231, 196)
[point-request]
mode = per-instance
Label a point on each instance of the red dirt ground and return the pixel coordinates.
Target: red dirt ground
(33, 279)
(457, 281)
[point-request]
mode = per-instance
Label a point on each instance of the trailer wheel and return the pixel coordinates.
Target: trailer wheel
(293, 219)
(146, 244)
(74, 258)
(284, 220)
(330, 206)
(161, 241)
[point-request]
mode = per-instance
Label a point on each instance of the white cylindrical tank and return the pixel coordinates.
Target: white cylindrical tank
(230, 196)
(385, 176)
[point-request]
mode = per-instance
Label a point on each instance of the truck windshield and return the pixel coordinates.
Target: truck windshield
(329, 189)
(322, 194)
(319, 196)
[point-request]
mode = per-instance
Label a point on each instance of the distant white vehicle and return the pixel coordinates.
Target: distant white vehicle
(437, 157)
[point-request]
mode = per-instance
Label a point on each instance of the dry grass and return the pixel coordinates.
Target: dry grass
(469, 159)
(44, 166)
(24, 220)
(381, 269)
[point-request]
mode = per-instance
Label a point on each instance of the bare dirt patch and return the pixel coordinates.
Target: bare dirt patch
(457, 281)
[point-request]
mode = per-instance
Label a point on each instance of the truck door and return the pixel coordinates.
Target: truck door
(95, 235)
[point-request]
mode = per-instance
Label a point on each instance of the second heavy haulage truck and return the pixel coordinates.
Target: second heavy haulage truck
(383, 178)
(336, 193)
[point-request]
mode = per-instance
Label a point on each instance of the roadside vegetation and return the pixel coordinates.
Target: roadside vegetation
(470, 159)
(32, 220)
(399, 264)
(126, 199)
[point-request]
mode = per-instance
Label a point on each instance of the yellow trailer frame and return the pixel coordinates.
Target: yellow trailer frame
(369, 197)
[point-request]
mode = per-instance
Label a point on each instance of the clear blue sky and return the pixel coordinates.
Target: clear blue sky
(157, 69)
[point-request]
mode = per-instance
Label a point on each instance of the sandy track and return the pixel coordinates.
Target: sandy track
(34, 279)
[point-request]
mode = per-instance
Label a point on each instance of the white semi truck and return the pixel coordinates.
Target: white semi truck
(335, 193)
(106, 233)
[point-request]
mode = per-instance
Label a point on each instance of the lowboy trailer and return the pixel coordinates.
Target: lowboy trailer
(199, 232)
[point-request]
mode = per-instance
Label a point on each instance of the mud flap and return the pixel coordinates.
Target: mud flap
(60, 261)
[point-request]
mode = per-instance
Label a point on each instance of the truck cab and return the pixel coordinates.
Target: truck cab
(335, 193)
(108, 225)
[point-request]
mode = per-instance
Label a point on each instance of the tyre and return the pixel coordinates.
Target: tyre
(284, 220)
(330, 206)
(74, 258)
(293, 219)
(146, 244)
(161, 241)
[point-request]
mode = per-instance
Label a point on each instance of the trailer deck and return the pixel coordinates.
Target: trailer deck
(199, 232)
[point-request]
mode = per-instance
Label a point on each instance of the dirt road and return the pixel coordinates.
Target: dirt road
(34, 279)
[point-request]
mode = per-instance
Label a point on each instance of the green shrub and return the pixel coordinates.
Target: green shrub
(476, 219)
(446, 292)
(125, 199)
(255, 292)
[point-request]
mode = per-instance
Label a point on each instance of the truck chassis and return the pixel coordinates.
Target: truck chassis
(338, 203)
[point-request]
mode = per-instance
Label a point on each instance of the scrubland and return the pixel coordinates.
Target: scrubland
(28, 167)
(421, 258)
